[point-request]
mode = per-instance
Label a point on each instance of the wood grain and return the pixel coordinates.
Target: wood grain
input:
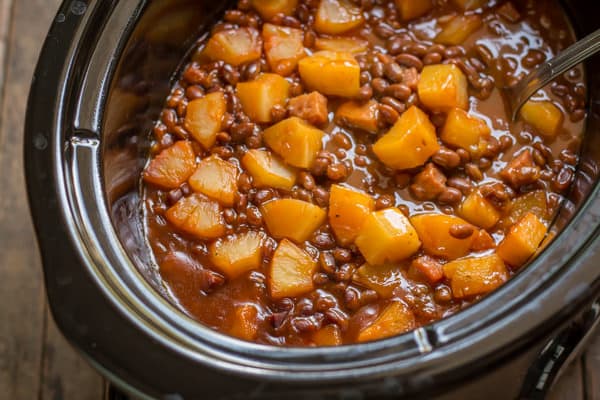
(570, 385)
(35, 361)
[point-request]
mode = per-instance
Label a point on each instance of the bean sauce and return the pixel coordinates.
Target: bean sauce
(335, 172)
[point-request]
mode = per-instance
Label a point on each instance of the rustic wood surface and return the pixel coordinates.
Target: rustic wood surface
(35, 360)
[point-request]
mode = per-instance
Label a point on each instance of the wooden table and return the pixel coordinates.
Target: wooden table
(35, 360)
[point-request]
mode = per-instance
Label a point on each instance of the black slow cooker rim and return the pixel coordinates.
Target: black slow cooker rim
(53, 203)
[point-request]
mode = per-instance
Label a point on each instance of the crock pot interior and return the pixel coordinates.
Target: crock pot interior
(152, 54)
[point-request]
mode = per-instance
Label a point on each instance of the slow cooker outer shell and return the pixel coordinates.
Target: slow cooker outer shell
(90, 109)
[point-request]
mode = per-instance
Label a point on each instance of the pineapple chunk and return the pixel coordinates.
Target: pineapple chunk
(458, 30)
(443, 87)
(268, 170)
(381, 278)
(330, 335)
(387, 236)
(234, 46)
(522, 240)
(291, 272)
(198, 216)
(337, 16)
(172, 166)
(410, 142)
(245, 323)
(345, 44)
(292, 219)
(270, 8)
(297, 142)
(434, 232)
(258, 97)
(473, 276)
(216, 179)
(410, 9)
(464, 130)
(204, 117)
(237, 254)
(284, 47)
(348, 210)
(533, 202)
(363, 116)
(333, 73)
(466, 5)
(479, 211)
(393, 320)
(543, 116)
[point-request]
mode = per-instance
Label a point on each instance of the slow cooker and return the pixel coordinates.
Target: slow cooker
(103, 74)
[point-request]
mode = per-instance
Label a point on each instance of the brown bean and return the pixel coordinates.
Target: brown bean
(327, 262)
(563, 179)
(464, 155)
(384, 201)
(395, 104)
(432, 58)
(393, 72)
(337, 172)
(379, 85)
(473, 171)
(446, 158)
(399, 91)
(244, 182)
(577, 115)
(365, 93)
(409, 60)
(321, 196)
(387, 114)
(450, 195)
(461, 231)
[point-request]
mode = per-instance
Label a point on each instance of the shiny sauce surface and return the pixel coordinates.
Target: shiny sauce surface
(335, 290)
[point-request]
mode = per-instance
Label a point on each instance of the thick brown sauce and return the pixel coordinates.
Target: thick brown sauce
(542, 28)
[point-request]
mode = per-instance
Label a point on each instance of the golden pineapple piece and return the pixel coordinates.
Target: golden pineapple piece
(291, 272)
(474, 276)
(172, 166)
(457, 30)
(337, 16)
(292, 219)
(467, 5)
(259, 96)
(344, 44)
(245, 325)
(411, 9)
(332, 73)
(238, 253)
(395, 319)
(234, 46)
(284, 47)
(533, 202)
(479, 211)
(294, 140)
(268, 170)
(387, 237)
(204, 117)
(434, 230)
(544, 116)
(363, 116)
(464, 130)
(410, 142)
(381, 278)
(443, 87)
(270, 8)
(522, 240)
(198, 216)
(216, 179)
(330, 335)
(348, 210)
